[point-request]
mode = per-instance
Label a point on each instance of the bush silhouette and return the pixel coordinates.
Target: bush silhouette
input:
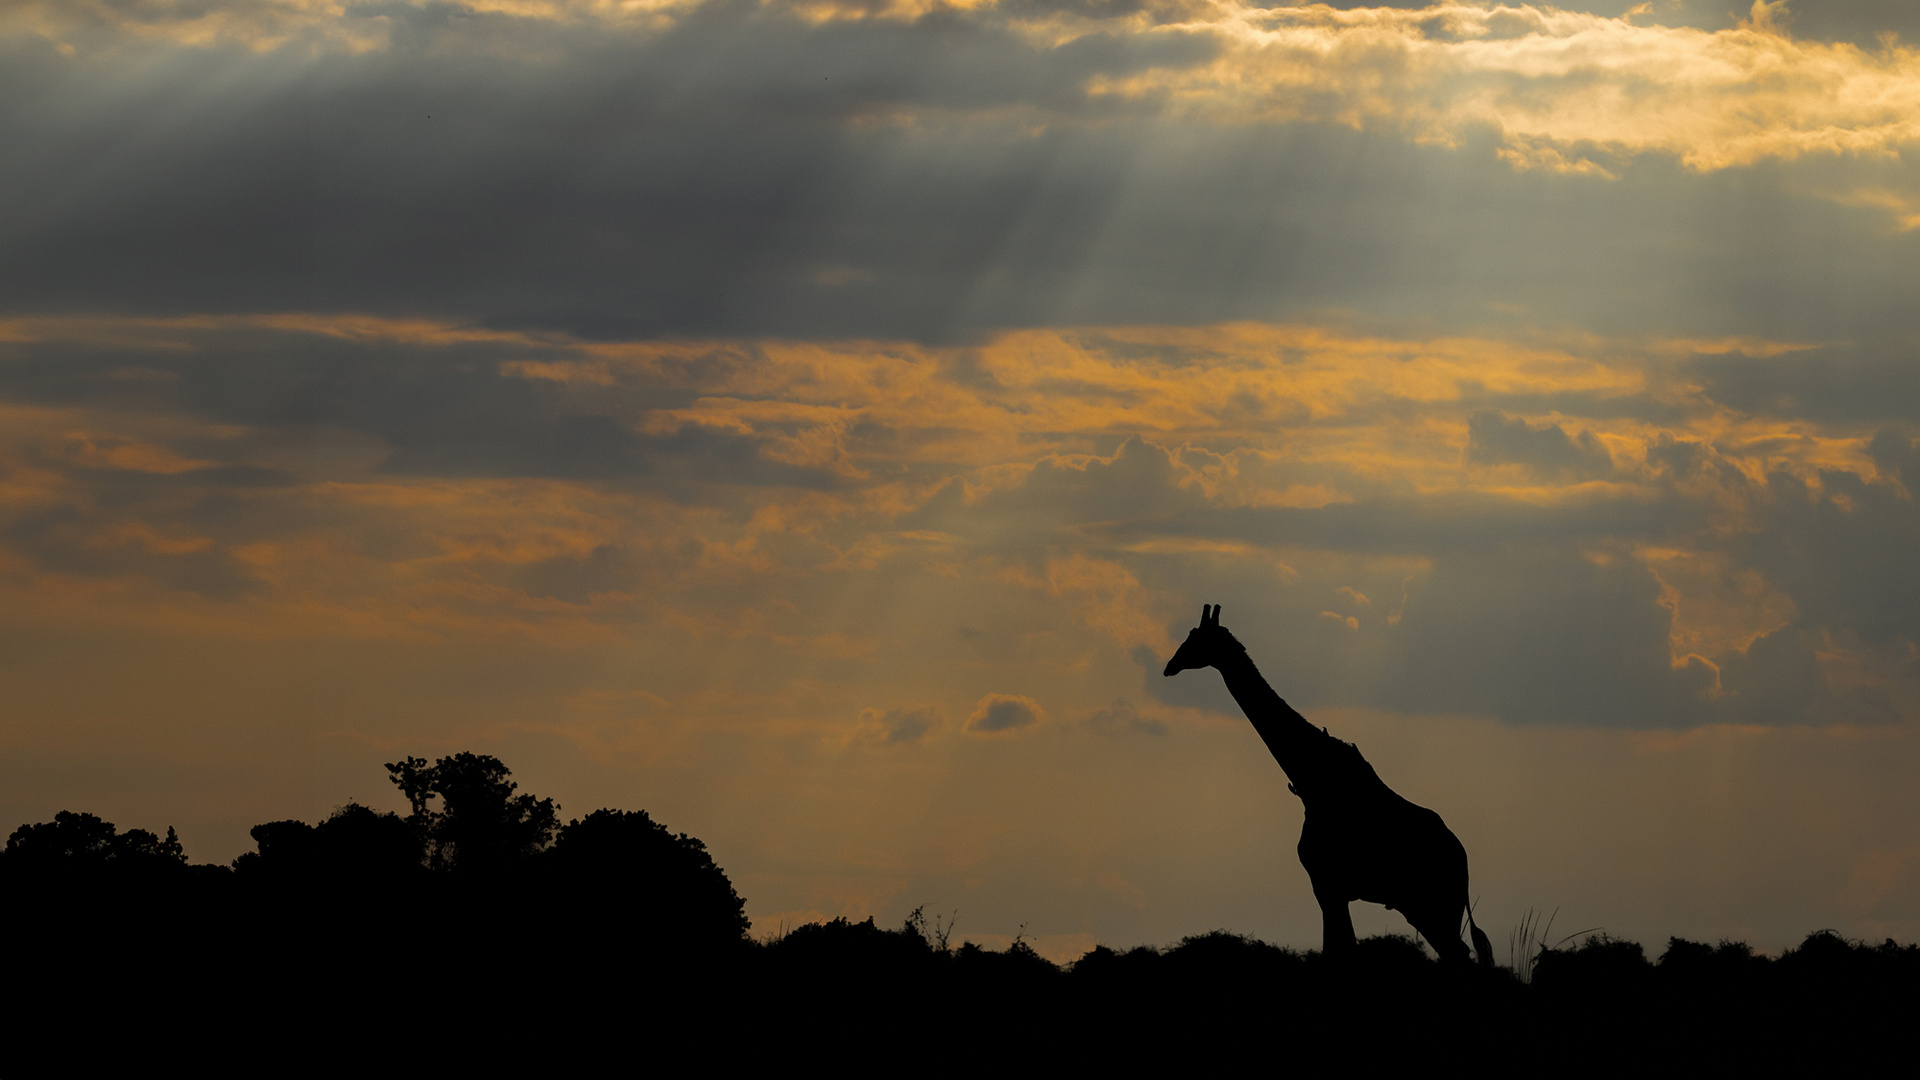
(355, 844)
(82, 844)
(626, 873)
(1598, 965)
(1017, 967)
(844, 947)
(1104, 966)
(471, 909)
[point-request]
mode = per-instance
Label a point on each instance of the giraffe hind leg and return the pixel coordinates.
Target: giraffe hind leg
(1482, 948)
(1442, 931)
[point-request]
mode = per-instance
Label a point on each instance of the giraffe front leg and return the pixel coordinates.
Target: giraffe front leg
(1336, 922)
(1322, 857)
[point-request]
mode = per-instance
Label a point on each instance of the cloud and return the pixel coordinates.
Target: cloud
(1543, 636)
(1565, 89)
(1868, 382)
(1070, 495)
(1865, 576)
(1003, 714)
(1190, 690)
(692, 171)
(1122, 718)
(894, 727)
(1494, 439)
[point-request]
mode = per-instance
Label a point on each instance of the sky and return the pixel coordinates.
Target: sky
(815, 422)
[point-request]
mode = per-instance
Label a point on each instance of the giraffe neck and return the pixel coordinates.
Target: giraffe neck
(1295, 744)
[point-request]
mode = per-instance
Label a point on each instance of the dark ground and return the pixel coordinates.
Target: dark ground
(480, 935)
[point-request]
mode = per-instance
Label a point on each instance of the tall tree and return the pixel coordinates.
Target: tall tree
(480, 824)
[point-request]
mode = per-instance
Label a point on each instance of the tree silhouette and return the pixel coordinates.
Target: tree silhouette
(355, 844)
(628, 874)
(648, 935)
(82, 843)
(481, 826)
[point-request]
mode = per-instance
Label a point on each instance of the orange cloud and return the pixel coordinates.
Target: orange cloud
(1065, 477)
(1566, 90)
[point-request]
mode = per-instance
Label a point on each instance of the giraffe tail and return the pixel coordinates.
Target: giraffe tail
(1482, 948)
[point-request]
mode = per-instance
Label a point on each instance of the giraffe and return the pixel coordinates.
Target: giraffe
(1361, 841)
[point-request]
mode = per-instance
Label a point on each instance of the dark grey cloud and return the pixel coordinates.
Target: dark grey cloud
(1896, 455)
(748, 173)
(439, 410)
(1496, 439)
(1528, 631)
(1138, 485)
(1870, 382)
(1123, 718)
(66, 540)
(1847, 552)
(1588, 404)
(1535, 636)
(575, 579)
(1184, 690)
(1859, 22)
(1002, 714)
(1776, 679)
(1527, 635)
(1532, 614)
(1678, 457)
(1468, 522)
(897, 726)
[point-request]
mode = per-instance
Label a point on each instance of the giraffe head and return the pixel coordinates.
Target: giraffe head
(1204, 643)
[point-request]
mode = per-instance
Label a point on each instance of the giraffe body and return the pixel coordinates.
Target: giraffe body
(1361, 840)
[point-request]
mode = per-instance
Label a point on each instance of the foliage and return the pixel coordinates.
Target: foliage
(1533, 939)
(636, 873)
(82, 842)
(1600, 965)
(477, 898)
(841, 945)
(1218, 950)
(1526, 942)
(354, 843)
(1693, 959)
(938, 934)
(480, 826)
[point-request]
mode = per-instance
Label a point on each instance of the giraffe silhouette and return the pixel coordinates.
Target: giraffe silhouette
(1361, 841)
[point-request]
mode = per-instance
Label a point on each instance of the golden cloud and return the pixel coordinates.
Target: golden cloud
(1565, 90)
(1077, 475)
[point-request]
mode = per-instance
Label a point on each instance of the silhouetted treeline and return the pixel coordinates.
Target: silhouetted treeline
(463, 924)
(479, 931)
(1601, 1006)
